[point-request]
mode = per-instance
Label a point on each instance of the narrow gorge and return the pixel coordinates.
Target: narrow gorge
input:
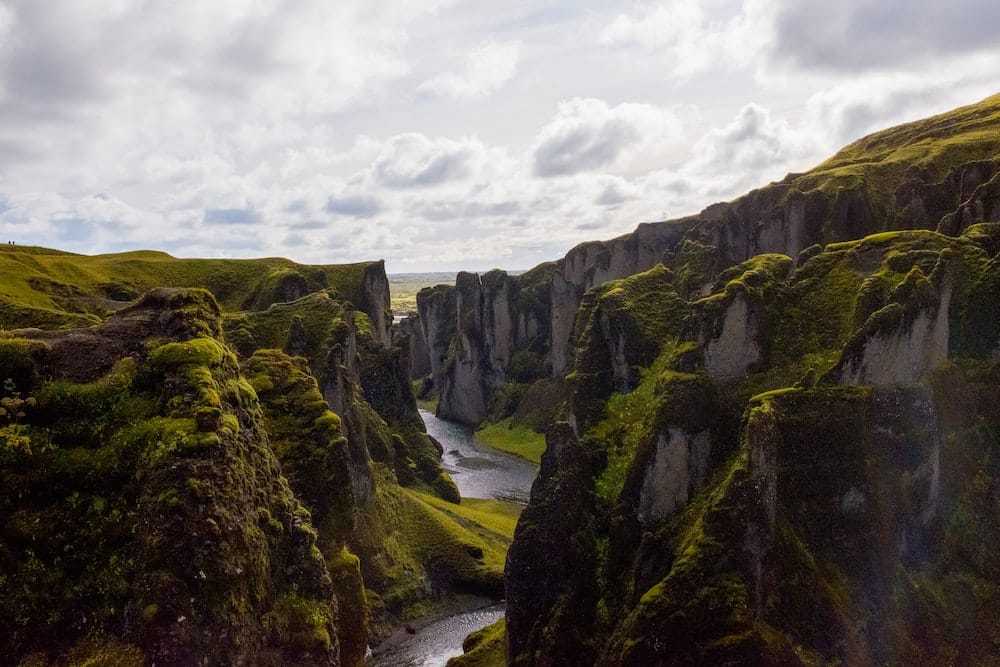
(765, 433)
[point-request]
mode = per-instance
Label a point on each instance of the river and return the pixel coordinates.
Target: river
(479, 472)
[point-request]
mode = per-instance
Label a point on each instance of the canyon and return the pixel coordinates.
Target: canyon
(770, 438)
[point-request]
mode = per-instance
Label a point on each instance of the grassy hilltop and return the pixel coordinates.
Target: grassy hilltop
(54, 288)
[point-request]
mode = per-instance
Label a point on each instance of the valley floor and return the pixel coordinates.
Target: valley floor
(494, 488)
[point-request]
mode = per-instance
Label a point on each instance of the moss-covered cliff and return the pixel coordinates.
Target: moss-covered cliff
(780, 447)
(188, 486)
(145, 509)
(938, 174)
(788, 479)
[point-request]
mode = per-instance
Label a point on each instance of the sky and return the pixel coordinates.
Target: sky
(443, 135)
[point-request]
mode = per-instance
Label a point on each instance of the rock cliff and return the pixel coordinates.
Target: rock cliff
(173, 537)
(408, 333)
(249, 487)
(898, 179)
(786, 472)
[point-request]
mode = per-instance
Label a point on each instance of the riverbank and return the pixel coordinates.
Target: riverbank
(513, 438)
(494, 487)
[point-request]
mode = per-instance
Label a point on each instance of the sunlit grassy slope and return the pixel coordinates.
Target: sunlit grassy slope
(47, 287)
(514, 438)
(938, 143)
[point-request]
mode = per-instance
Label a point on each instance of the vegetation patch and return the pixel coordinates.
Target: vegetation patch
(514, 438)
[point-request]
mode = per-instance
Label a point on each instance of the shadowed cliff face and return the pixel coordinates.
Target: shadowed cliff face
(150, 518)
(788, 478)
(374, 301)
(174, 502)
(938, 174)
(797, 466)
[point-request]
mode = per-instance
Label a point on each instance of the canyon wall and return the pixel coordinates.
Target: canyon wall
(471, 347)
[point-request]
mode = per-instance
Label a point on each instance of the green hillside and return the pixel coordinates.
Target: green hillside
(44, 287)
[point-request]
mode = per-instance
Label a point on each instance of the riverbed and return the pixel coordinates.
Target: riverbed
(479, 472)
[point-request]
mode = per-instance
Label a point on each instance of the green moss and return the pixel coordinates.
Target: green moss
(65, 289)
(484, 648)
(634, 318)
(197, 352)
(18, 362)
(149, 612)
(307, 438)
(352, 617)
(513, 438)
(663, 398)
(446, 488)
(409, 538)
(301, 624)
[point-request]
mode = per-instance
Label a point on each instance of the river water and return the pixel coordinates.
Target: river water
(478, 472)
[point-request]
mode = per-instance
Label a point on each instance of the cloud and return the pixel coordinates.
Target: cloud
(467, 210)
(354, 206)
(689, 37)
(752, 142)
(864, 35)
(413, 160)
(487, 69)
(863, 104)
(288, 128)
(587, 134)
(231, 216)
(616, 192)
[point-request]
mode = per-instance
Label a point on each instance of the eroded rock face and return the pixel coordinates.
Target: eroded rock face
(735, 347)
(409, 332)
(905, 353)
(592, 264)
(375, 301)
(196, 550)
(438, 322)
(481, 351)
(551, 566)
(678, 469)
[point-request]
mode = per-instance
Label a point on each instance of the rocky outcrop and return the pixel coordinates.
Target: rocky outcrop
(473, 331)
(551, 571)
(438, 322)
(183, 542)
(409, 333)
(846, 487)
(592, 264)
(905, 340)
(678, 470)
(734, 347)
(969, 195)
(375, 301)
(481, 349)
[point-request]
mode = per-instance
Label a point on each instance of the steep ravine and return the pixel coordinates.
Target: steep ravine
(478, 472)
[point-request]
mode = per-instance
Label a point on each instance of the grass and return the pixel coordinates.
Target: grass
(404, 287)
(486, 647)
(939, 144)
(495, 517)
(513, 438)
(410, 536)
(37, 282)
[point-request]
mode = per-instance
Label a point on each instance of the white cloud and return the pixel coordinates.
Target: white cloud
(331, 131)
(487, 69)
(412, 160)
(752, 143)
(587, 134)
(688, 36)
